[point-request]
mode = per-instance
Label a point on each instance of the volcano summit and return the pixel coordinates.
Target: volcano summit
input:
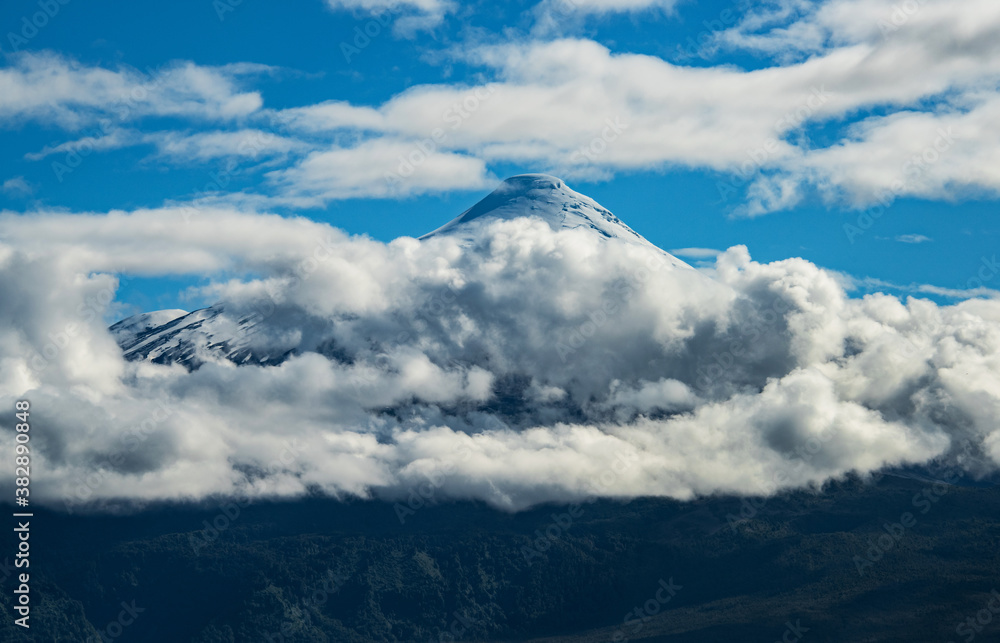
(230, 332)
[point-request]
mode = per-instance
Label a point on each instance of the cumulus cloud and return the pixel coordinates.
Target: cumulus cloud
(931, 143)
(533, 365)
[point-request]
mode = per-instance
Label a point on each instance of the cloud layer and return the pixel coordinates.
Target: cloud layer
(538, 366)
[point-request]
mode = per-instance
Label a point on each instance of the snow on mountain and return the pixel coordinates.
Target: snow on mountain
(127, 330)
(543, 196)
(550, 199)
(174, 336)
(191, 339)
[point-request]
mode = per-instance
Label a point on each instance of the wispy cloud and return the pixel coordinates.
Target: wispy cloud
(913, 238)
(113, 140)
(552, 98)
(17, 186)
(911, 108)
(51, 88)
(873, 284)
(696, 253)
(408, 16)
(382, 167)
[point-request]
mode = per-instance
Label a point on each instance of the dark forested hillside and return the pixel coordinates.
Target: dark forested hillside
(902, 559)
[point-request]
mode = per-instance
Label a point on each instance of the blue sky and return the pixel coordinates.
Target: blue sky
(174, 94)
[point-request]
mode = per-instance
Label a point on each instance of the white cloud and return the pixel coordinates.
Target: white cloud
(574, 107)
(913, 238)
(562, 17)
(409, 16)
(245, 143)
(333, 115)
(50, 88)
(696, 253)
(16, 186)
(113, 140)
(610, 6)
(908, 100)
(700, 257)
(765, 376)
(425, 6)
(974, 287)
(933, 81)
(560, 8)
(184, 148)
(379, 168)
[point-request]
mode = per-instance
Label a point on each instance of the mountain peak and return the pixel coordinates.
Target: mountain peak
(546, 197)
(190, 339)
(528, 182)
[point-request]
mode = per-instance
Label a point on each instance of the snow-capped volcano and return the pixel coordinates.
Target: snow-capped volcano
(234, 333)
(543, 196)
